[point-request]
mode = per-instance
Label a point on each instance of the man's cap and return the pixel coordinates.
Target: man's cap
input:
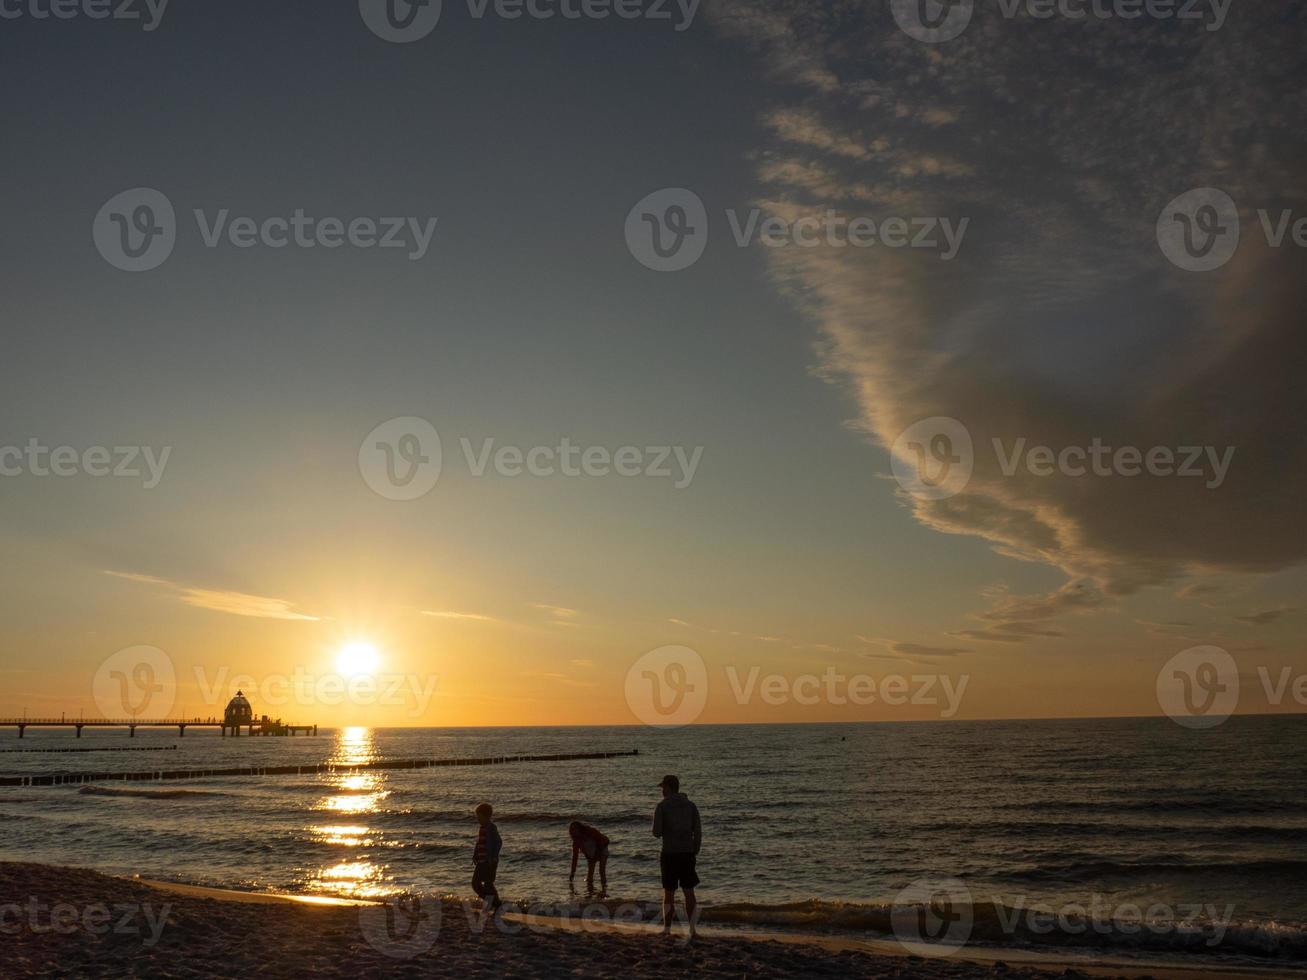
(671, 782)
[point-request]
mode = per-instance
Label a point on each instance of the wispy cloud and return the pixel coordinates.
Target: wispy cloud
(805, 128)
(1018, 618)
(556, 612)
(1196, 589)
(1267, 615)
(1065, 193)
(990, 636)
(927, 650)
(1173, 627)
(221, 600)
(557, 678)
(761, 638)
(757, 637)
(1071, 597)
(451, 614)
(820, 647)
(908, 650)
(1007, 633)
(143, 579)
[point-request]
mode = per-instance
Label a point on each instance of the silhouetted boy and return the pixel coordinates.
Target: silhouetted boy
(486, 857)
(589, 841)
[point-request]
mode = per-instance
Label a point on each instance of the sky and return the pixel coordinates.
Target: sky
(777, 396)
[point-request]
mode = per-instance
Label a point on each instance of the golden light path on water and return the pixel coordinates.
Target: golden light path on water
(350, 798)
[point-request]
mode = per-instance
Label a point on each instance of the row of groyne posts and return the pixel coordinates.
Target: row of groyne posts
(152, 775)
(264, 726)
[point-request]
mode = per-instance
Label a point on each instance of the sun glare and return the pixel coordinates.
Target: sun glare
(357, 659)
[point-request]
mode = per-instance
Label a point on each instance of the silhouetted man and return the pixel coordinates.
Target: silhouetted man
(676, 821)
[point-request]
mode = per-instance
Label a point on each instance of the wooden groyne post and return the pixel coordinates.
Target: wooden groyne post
(73, 778)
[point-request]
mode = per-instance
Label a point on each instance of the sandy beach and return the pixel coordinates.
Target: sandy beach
(74, 922)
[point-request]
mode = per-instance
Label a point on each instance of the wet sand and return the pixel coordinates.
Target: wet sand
(74, 922)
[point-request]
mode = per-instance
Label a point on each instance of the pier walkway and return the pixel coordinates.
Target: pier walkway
(264, 726)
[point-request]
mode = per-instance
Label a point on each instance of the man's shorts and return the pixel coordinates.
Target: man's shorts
(678, 871)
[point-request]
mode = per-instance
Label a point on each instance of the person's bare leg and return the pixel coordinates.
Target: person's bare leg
(603, 875)
(669, 910)
(689, 908)
(590, 878)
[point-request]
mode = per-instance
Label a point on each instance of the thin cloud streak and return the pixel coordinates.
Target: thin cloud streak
(221, 600)
(451, 614)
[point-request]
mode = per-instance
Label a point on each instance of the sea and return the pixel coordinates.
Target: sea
(1126, 836)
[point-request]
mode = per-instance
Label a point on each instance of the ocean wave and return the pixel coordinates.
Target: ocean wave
(600, 820)
(1079, 830)
(995, 923)
(149, 794)
(1213, 806)
(1096, 869)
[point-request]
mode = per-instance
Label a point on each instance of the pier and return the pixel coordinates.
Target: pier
(254, 726)
(73, 778)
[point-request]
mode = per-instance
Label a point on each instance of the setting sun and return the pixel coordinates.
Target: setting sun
(356, 659)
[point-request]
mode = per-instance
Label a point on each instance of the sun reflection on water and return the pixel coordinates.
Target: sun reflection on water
(355, 794)
(353, 879)
(345, 836)
(354, 745)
